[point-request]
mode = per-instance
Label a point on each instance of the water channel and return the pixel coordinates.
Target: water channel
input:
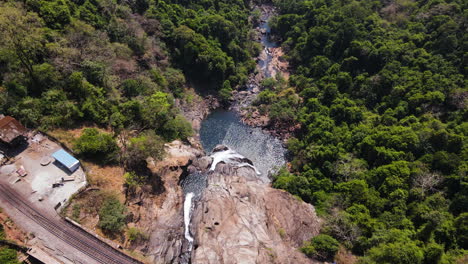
(225, 127)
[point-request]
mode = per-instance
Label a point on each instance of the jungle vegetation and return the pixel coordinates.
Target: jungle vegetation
(119, 67)
(379, 91)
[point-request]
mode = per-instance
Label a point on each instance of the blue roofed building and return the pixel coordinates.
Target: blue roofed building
(67, 160)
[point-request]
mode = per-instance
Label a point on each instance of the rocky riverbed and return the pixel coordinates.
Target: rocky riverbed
(238, 218)
(270, 63)
(233, 215)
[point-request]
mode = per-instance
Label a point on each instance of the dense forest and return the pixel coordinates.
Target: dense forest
(117, 67)
(379, 90)
(115, 64)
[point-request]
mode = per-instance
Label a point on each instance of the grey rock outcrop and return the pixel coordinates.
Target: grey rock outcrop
(237, 219)
(242, 220)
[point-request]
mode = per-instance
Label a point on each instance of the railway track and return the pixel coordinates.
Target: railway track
(68, 233)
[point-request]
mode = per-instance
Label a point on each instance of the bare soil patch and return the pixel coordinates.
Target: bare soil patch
(11, 230)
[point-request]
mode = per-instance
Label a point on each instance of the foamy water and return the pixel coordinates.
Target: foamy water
(187, 215)
(231, 157)
(224, 127)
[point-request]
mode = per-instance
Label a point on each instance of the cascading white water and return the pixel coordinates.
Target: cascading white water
(231, 157)
(264, 150)
(224, 127)
(187, 215)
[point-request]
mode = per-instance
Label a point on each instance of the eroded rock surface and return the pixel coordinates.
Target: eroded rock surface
(161, 215)
(242, 220)
(237, 219)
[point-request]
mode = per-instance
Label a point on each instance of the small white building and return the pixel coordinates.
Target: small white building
(67, 160)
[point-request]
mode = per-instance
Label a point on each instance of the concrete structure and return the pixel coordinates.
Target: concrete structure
(42, 256)
(66, 160)
(42, 176)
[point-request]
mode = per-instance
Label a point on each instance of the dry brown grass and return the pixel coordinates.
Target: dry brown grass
(66, 137)
(462, 260)
(109, 178)
(104, 181)
(343, 256)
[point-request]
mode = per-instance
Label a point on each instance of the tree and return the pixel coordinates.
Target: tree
(433, 253)
(427, 181)
(146, 145)
(395, 253)
(56, 13)
(88, 12)
(96, 145)
(226, 91)
(354, 191)
(8, 256)
(461, 224)
(22, 33)
(155, 109)
(132, 88)
(174, 79)
(112, 215)
(200, 58)
(322, 247)
(177, 127)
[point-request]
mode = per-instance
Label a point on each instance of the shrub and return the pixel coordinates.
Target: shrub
(94, 72)
(134, 234)
(96, 145)
(178, 127)
(133, 179)
(461, 224)
(226, 91)
(2, 232)
(322, 247)
(112, 215)
(175, 80)
(395, 253)
(76, 211)
(8, 256)
(131, 88)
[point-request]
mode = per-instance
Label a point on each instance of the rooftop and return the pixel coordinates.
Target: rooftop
(10, 129)
(64, 158)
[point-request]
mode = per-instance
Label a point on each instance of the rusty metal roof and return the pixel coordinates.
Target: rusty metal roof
(10, 129)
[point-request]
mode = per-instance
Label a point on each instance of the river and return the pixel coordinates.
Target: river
(225, 127)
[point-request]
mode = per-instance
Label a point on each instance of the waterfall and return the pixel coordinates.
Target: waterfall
(187, 214)
(231, 157)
